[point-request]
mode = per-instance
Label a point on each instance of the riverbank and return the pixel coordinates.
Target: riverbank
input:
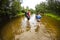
(4, 20)
(56, 17)
(6, 31)
(52, 24)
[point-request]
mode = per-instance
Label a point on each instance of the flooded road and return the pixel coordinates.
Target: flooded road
(22, 29)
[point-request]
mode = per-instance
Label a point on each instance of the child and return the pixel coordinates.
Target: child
(38, 17)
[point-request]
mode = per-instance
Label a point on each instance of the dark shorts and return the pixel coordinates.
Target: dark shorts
(28, 17)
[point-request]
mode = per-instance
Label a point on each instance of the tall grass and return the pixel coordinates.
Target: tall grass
(53, 16)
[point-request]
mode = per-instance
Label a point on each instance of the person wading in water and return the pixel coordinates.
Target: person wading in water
(27, 14)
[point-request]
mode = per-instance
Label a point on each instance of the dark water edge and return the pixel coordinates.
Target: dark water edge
(5, 22)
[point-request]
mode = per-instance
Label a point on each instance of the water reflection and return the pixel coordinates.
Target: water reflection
(25, 25)
(22, 29)
(28, 26)
(37, 27)
(11, 29)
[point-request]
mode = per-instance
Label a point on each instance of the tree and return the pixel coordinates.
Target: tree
(49, 6)
(27, 8)
(41, 7)
(8, 9)
(16, 8)
(32, 11)
(54, 6)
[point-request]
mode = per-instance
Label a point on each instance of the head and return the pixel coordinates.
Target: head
(37, 13)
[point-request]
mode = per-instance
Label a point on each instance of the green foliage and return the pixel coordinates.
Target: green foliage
(53, 16)
(9, 7)
(52, 6)
(41, 7)
(26, 9)
(16, 7)
(32, 11)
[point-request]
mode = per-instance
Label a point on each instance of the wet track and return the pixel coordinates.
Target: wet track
(22, 29)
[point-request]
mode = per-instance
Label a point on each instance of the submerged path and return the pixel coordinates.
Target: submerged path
(22, 29)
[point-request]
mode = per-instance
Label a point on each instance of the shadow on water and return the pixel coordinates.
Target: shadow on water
(10, 29)
(37, 27)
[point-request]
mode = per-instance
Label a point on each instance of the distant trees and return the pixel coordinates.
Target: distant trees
(41, 7)
(49, 6)
(32, 11)
(26, 9)
(54, 6)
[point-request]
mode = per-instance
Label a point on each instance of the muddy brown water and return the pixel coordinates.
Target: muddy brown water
(22, 29)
